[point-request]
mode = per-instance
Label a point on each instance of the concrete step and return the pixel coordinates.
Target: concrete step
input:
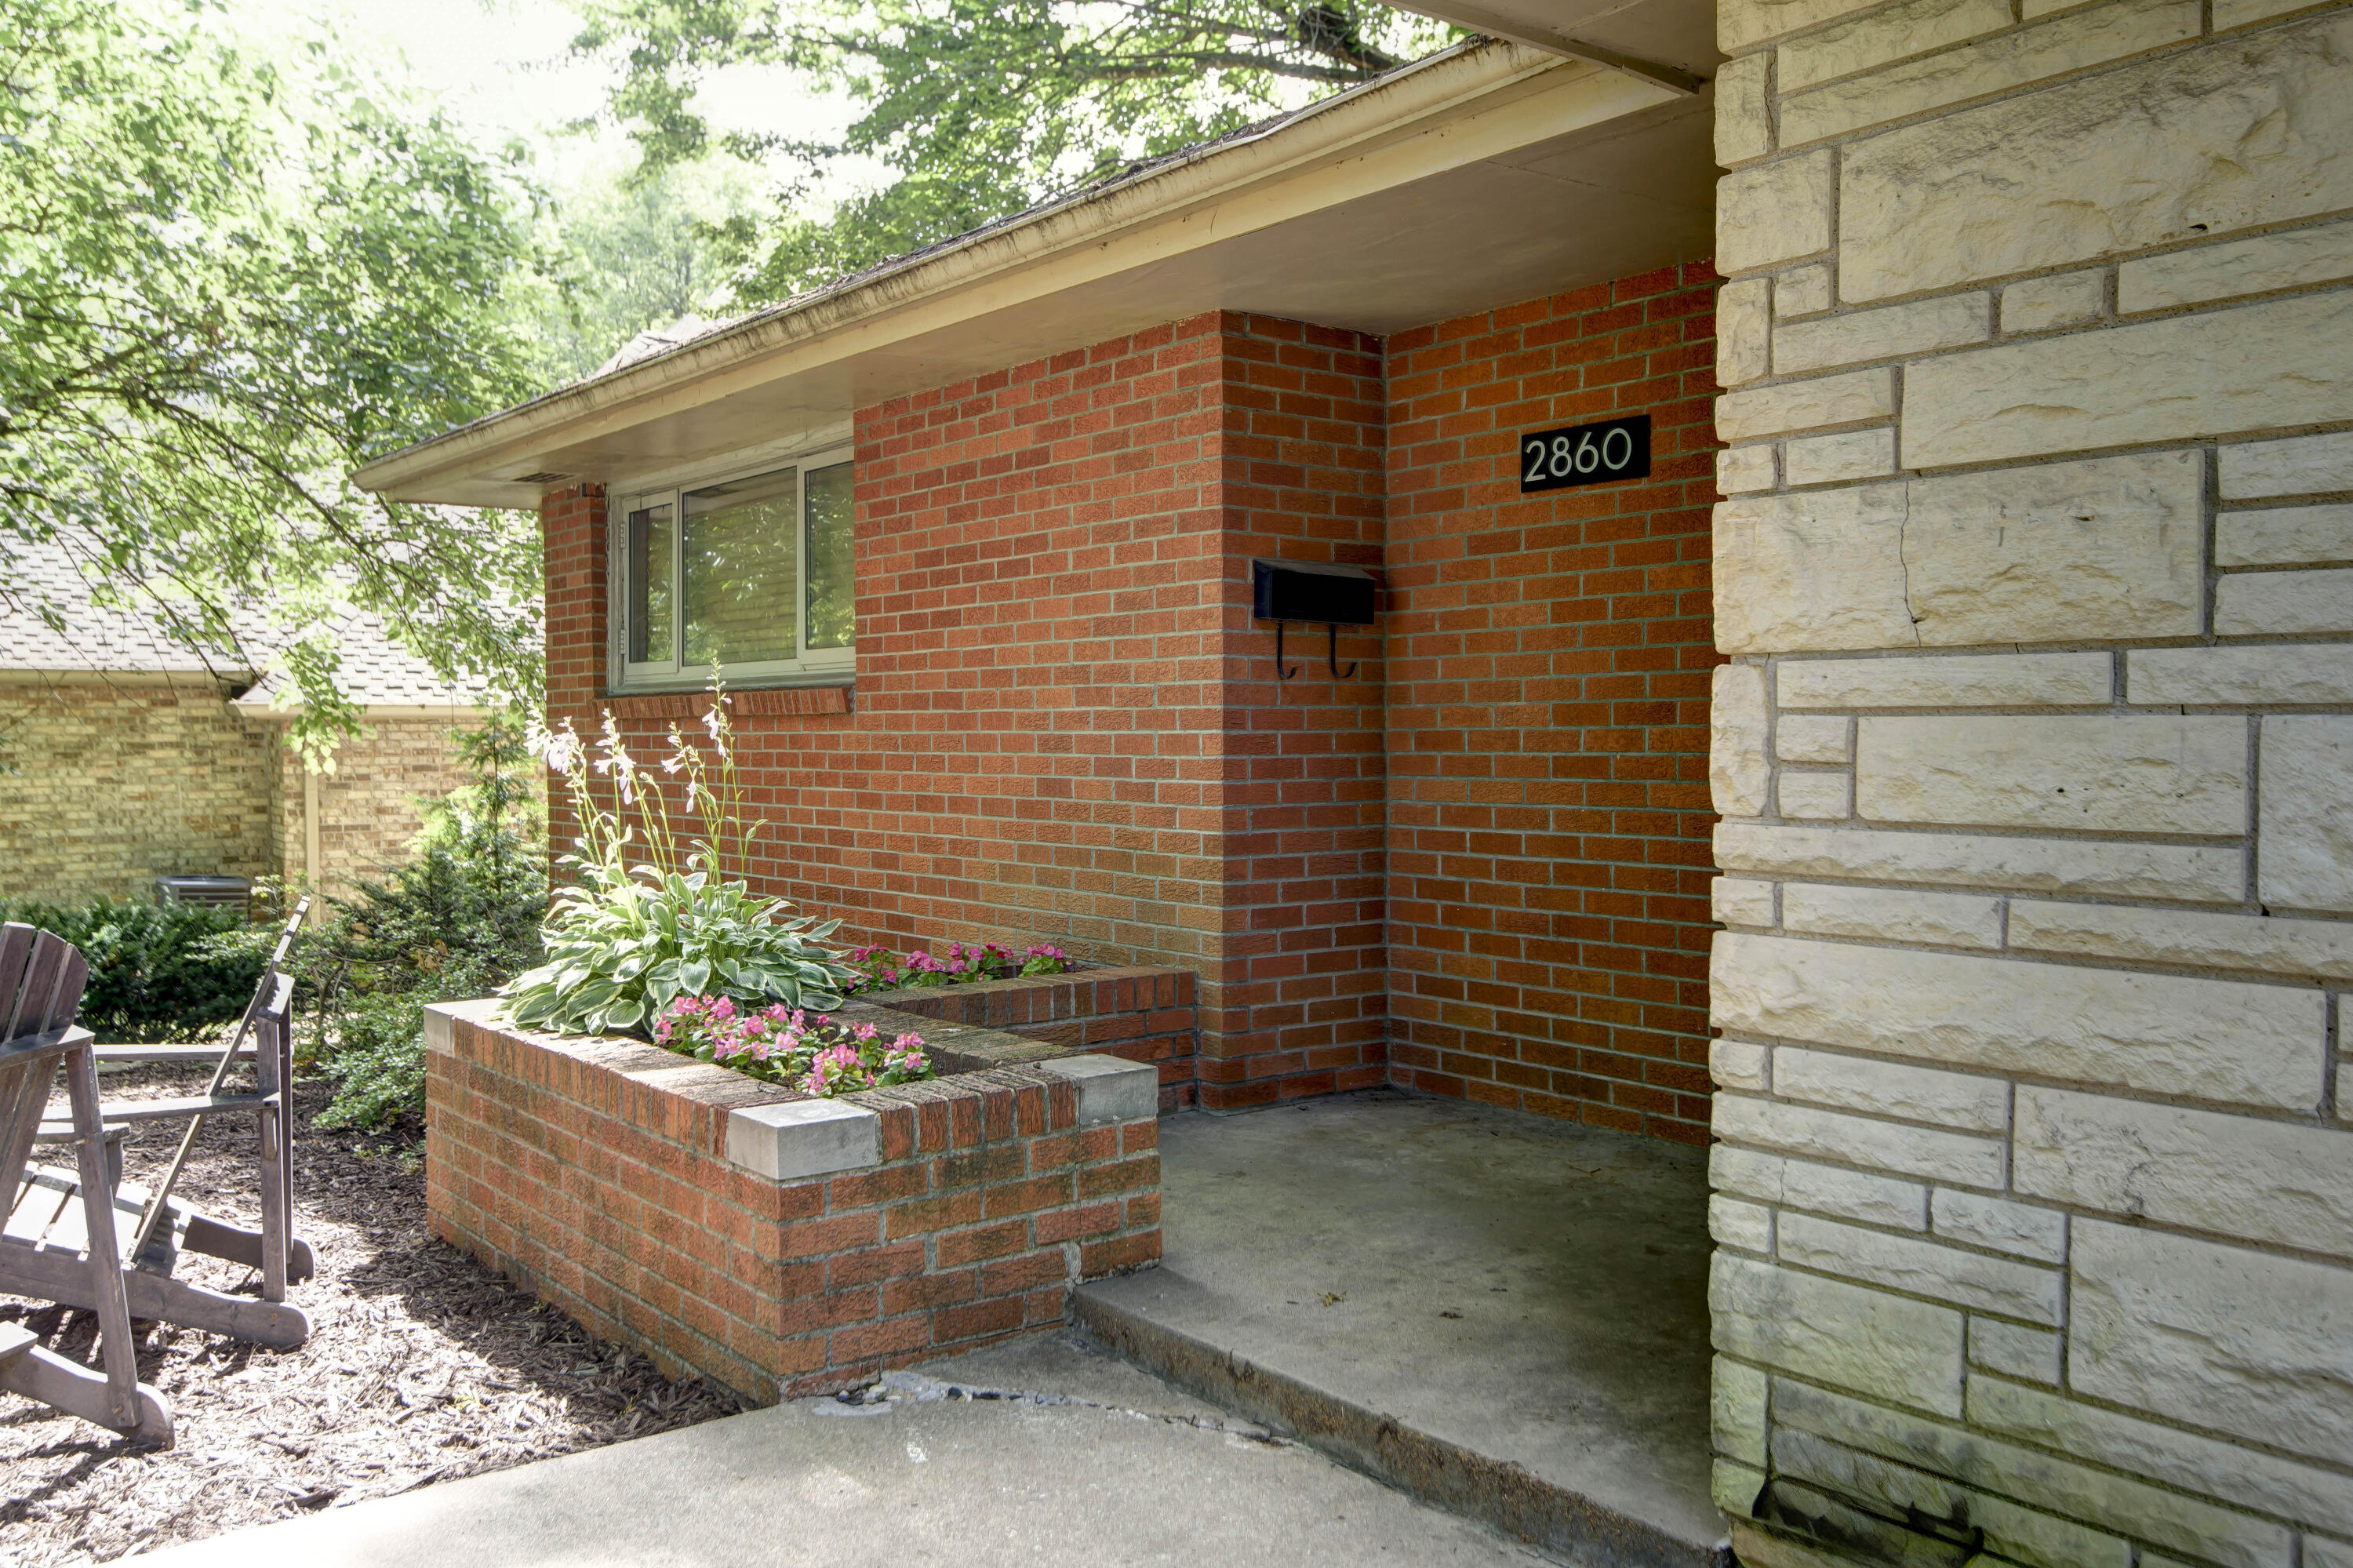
(1560, 1522)
(1500, 1315)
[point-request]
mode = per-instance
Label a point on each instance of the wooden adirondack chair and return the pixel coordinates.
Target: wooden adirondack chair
(155, 1228)
(41, 980)
(273, 1072)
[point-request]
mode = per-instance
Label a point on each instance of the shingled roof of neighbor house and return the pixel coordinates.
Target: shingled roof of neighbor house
(377, 671)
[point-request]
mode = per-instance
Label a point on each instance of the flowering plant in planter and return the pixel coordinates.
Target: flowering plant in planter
(880, 968)
(651, 916)
(817, 1054)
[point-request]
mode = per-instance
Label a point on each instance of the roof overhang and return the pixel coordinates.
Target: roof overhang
(1487, 174)
(85, 676)
(1673, 39)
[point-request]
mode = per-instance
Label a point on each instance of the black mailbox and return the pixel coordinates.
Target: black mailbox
(1310, 590)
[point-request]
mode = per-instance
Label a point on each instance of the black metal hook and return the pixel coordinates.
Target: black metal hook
(1333, 658)
(1280, 672)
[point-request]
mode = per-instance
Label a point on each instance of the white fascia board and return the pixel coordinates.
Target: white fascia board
(1470, 102)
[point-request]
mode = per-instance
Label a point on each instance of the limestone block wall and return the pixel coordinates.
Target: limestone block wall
(2034, 1192)
(106, 785)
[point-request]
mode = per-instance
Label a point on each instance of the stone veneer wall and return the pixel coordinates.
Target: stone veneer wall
(110, 784)
(2034, 1197)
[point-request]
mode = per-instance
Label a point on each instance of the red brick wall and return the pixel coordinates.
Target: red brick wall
(1548, 674)
(1067, 726)
(1138, 1014)
(592, 1173)
(1302, 1007)
(1064, 726)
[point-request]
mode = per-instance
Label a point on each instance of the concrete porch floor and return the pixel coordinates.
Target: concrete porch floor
(1500, 1314)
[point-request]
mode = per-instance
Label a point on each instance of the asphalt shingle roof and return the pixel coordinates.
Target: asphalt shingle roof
(377, 671)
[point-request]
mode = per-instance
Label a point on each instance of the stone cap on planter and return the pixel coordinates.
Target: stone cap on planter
(780, 1134)
(442, 1018)
(800, 1139)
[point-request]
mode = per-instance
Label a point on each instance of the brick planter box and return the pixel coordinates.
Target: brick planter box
(1138, 1013)
(778, 1245)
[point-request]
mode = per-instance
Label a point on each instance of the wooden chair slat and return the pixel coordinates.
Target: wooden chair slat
(28, 1071)
(15, 946)
(109, 1055)
(39, 1208)
(73, 979)
(36, 990)
(172, 1110)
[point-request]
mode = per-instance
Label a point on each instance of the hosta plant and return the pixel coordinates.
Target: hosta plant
(813, 1052)
(651, 914)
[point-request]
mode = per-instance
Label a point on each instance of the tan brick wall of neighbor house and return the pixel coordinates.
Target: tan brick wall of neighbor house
(2034, 1197)
(370, 807)
(111, 785)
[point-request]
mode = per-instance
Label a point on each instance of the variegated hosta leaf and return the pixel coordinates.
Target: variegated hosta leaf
(621, 948)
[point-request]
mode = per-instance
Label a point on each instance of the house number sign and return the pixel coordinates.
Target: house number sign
(1585, 454)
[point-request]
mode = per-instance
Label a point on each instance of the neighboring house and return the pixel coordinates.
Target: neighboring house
(2021, 633)
(124, 757)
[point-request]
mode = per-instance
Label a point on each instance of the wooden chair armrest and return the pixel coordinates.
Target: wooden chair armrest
(66, 1039)
(205, 1054)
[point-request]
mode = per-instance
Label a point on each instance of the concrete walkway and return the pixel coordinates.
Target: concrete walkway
(1501, 1313)
(1110, 1467)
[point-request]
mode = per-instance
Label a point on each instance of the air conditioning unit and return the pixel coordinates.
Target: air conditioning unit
(216, 892)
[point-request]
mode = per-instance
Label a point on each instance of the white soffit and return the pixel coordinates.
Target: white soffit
(1675, 38)
(1491, 176)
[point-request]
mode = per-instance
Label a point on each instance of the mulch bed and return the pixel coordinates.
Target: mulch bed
(422, 1365)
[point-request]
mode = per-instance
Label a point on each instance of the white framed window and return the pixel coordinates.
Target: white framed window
(750, 569)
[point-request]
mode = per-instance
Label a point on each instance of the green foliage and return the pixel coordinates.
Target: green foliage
(376, 1056)
(226, 279)
(624, 943)
(157, 971)
(880, 968)
(978, 107)
(457, 921)
(475, 905)
(637, 252)
(814, 1053)
(653, 916)
(471, 898)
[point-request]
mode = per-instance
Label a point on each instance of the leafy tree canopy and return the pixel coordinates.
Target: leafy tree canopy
(225, 280)
(637, 250)
(978, 108)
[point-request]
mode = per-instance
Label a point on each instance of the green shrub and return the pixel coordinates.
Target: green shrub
(374, 1047)
(458, 920)
(157, 971)
(476, 904)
